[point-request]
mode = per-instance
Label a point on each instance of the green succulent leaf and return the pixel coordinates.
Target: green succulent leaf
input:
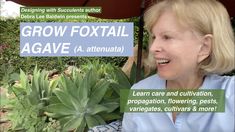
(53, 84)
(64, 119)
(116, 87)
(110, 116)
(60, 109)
(35, 83)
(98, 92)
(122, 78)
(84, 102)
(82, 127)
(33, 98)
(69, 86)
(67, 99)
(73, 123)
(86, 85)
(111, 106)
(97, 109)
(91, 121)
(23, 80)
(99, 119)
(77, 78)
(53, 100)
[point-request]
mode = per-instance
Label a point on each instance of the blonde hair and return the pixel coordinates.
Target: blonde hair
(204, 17)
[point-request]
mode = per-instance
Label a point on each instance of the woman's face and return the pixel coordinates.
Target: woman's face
(175, 48)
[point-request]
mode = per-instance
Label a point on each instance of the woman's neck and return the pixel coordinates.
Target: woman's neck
(191, 82)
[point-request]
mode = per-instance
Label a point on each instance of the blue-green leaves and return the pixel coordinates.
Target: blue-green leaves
(32, 95)
(79, 101)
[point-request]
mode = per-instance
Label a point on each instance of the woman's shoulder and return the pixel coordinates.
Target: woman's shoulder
(152, 82)
(220, 77)
(226, 83)
(220, 82)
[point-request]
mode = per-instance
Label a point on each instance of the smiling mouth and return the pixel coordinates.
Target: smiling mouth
(162, 61)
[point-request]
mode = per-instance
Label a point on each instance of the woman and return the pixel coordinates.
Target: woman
(192, 41)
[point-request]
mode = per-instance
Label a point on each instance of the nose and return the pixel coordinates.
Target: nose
(155, 46)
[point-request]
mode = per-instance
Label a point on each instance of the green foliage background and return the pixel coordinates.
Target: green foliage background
(10, 49)
(10, 42)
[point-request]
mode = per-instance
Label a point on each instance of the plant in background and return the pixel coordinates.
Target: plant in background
(79, 102)
(9, 35)
(103, 70)
(27, 104)
(122, 81)
(125, 82)
(7, 75)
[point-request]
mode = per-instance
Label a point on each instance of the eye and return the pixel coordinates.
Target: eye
(166, 37)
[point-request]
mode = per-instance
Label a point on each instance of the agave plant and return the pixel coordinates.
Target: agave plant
(79, 101)
(104, 70)
(123, 81)
(31, 96)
